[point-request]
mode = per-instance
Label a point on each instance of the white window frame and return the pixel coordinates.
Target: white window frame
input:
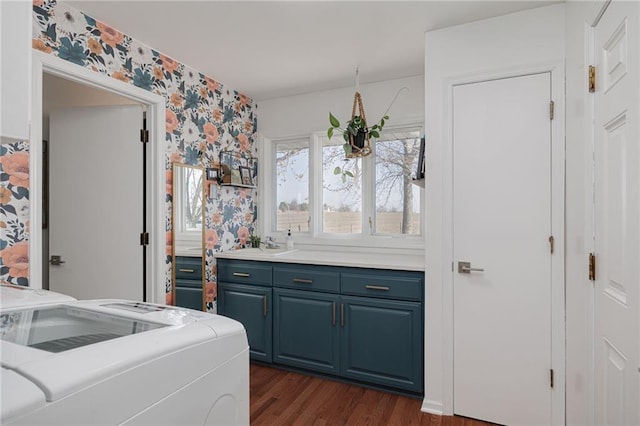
(316, 236)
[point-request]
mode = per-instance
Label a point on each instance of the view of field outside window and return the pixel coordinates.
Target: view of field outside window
(397, 200)
(292, 186)
(341, 190)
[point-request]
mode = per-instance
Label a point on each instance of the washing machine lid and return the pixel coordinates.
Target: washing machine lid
(67, 347)
(18, 395)
(15, 296)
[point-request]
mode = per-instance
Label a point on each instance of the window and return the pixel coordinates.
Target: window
(292, 186)
(397, 200)
(326, 198)
(187, 200)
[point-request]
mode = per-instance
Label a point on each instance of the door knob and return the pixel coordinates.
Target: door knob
(465, 268)
(56, 260)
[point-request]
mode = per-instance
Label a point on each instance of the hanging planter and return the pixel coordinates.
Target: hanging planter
(357, 135)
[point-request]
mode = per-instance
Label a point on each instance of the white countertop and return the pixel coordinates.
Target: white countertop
(405, 262)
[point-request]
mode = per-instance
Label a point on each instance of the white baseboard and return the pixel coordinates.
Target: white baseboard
(432, 407)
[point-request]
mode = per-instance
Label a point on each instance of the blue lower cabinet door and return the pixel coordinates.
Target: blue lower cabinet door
(251, 306)
(306, 330)
(381, 342)
(189, 297)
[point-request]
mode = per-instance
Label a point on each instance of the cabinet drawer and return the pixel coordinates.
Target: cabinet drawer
(244, 272)
(181, 282)
(388, 285)
(189, 298)
(189, 268)
(305, 277)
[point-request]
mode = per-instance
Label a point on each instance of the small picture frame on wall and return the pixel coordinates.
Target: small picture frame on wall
(245, 176)
(213, 173)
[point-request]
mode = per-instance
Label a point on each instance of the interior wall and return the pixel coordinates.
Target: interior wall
(508, 42)
(203, 117)
(309, 113)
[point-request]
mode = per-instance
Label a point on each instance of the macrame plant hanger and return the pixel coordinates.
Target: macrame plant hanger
(360, 143)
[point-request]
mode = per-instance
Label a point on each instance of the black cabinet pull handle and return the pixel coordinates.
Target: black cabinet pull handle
(302, 281)
(333, 321)
(342, 315)
(187, 270)
(264, 305)
(241, 274)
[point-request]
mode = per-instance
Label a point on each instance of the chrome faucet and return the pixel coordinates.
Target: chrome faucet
(270, 243)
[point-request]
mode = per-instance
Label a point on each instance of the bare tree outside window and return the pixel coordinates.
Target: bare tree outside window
(397, 199)
(192, 181)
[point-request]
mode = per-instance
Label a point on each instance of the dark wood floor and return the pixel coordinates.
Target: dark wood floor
(284, 398)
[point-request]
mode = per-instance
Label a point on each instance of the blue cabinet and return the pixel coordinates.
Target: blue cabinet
(244, 294)
(382, 342)
(305, 325)
(188, 282)
(361, 324)
(250, 305)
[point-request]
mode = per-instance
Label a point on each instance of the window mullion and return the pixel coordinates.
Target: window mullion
(368, 191)
(315, 184)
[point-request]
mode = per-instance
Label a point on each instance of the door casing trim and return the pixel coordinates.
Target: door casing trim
(556, 69)
(156, 211)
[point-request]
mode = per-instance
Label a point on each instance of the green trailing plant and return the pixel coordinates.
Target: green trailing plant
(353, 127)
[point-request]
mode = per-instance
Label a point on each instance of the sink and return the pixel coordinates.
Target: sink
(256, 252)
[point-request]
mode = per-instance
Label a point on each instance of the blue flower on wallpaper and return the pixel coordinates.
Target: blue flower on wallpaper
(142, 79)
(229, 113)
(228, 212)
(191, 100)
(72, 52)
(191, 155)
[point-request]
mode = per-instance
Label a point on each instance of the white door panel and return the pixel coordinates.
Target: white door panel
(617, 215)
(502, 222)
(96, 200)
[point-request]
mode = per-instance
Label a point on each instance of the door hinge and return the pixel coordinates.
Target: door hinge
(552, 107)
(592, 267)
(552, 243)
(144, 135)
(144, 239)
(592, 79)
(551, 378)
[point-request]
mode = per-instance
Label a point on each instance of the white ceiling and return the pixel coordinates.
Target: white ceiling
(269, 49)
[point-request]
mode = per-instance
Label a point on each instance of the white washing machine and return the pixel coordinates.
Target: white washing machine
(112, 362)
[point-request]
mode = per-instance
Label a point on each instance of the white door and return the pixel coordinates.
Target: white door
(96, 202)
(617, 218)
(501, 225)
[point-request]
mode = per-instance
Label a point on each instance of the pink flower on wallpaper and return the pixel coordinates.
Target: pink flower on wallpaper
(169, 243)
(168, 300)
(212, 84)
(217, 114)
(216, 218)
(16, 257)
(243, 235)
(110, 35)
(244, 99)
(211, 132)
(243, 141)
(211, 238)
(210, 292)
(5, 195)
(171, 122)
(168, 178)
(17, 167)
(38, 2)
(169, 64)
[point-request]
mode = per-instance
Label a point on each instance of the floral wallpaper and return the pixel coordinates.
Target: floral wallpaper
(202, 119)
(14, 211)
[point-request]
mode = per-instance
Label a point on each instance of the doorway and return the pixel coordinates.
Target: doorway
(158, 280)
(91, 159)
(503, 245)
